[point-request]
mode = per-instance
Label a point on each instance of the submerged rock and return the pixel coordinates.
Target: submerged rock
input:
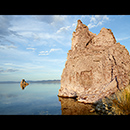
(96, 67)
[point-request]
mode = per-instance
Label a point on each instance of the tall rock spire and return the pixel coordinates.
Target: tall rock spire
(96, 66)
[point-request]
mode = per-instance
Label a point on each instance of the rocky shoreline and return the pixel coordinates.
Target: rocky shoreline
(107, 106)
(104, 107)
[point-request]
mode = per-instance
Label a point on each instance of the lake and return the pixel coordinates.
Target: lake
(38, 99)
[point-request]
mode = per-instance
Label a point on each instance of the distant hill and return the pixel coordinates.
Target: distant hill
(45, 81)
(38, 81)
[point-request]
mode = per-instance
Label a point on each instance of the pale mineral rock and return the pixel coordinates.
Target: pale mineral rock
(96, 67)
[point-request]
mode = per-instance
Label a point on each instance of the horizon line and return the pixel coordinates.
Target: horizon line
(31, 81)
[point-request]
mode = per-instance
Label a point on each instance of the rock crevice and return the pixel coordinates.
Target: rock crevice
(96, 66)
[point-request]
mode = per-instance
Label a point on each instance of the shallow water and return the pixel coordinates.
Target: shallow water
(37, 99)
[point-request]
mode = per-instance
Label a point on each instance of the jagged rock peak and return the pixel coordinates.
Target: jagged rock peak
(104, 38)
(81, 36)
(81, 25)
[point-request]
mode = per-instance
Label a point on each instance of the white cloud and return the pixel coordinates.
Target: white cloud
(63, 29)
(33, 49)
(123, 38)
(48, 52)
(43, 53)
(7, 46)
(93, 19)
(97, 20)
(105, 18)
(59, 49)
(74, 24)
(91, 25)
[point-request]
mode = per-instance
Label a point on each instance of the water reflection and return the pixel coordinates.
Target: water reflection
(23, 86)
(70, 106)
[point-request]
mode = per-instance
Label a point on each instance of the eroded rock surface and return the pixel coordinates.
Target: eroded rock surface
(96, 66)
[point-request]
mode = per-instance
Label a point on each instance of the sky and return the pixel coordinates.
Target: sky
(35, 47)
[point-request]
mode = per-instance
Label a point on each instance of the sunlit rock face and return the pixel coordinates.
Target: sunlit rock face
(96, 66)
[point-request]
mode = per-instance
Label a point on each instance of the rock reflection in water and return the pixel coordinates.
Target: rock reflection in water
(71, 106)
(23, 86)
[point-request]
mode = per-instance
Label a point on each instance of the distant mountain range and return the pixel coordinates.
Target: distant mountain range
(41, 81)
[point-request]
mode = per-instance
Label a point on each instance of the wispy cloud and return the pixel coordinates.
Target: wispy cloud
(5, 26)
(44, 53)
(2, 46)
(8, 70)
(123, 38)
(58, 49)
(21, 67)
(33, 49)
(97, 20)
(63, 29)
(11, 70)
(48, 52)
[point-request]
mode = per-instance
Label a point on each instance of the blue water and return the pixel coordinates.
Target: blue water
(35, 99)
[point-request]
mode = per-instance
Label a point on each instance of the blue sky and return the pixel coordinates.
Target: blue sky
(35, 47)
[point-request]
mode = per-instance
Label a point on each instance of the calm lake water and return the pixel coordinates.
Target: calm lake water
(38, 99)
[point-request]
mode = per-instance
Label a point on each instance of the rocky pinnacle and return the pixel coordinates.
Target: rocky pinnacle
(96, 67)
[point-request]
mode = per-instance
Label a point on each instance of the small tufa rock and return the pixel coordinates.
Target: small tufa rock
(96, 66)
(23, 84)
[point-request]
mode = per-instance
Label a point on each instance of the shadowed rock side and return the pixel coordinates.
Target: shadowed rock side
(96, 66)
